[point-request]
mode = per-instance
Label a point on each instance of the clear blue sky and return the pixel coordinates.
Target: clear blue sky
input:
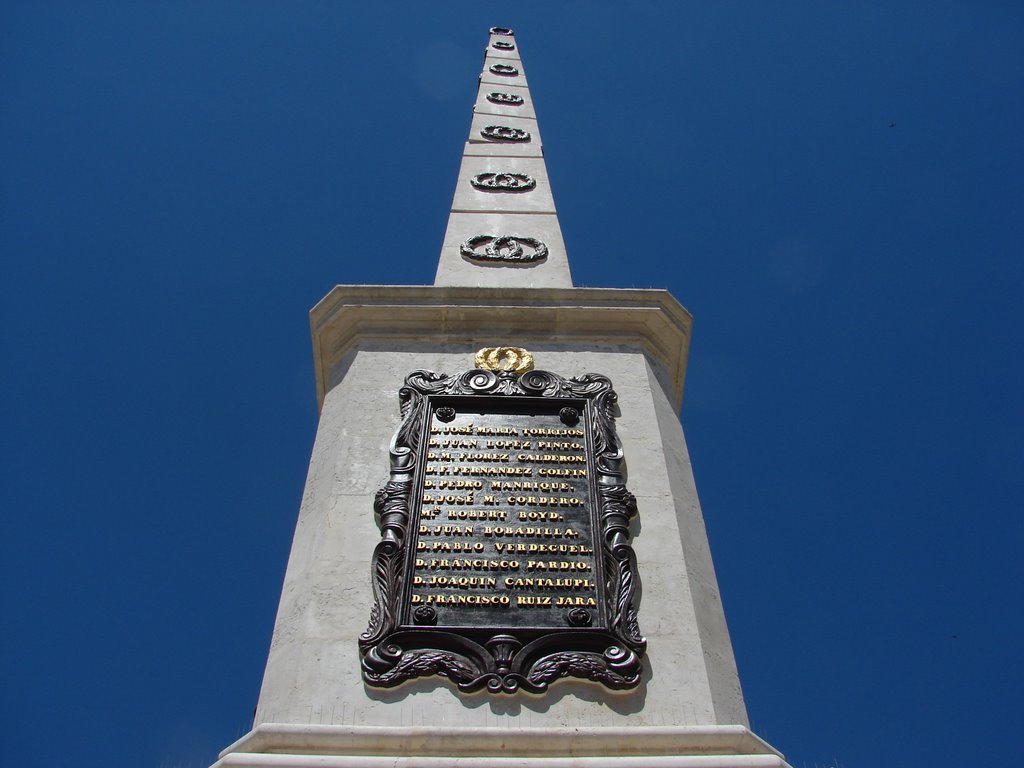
(834, 190)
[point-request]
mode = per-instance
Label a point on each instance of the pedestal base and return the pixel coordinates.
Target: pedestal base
(278, 745)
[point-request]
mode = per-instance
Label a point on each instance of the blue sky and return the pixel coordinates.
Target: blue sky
(833, 190)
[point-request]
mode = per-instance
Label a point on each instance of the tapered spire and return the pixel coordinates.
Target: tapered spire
(503, 228)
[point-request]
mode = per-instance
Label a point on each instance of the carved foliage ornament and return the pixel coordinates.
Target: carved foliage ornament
(502, 31)
(602, 644)
(506, 70)
(504, 182)
(511, 99)
(508, 248)
(504, 133)
(503, 45)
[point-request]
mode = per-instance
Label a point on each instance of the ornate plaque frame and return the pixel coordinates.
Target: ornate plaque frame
(396, 647)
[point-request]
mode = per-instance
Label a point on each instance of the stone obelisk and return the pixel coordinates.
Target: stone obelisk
(339, 693)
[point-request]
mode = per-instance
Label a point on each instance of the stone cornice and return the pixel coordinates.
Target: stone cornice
(651, 320)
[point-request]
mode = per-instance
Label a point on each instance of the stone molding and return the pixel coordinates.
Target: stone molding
(649, 319)
(338, 746)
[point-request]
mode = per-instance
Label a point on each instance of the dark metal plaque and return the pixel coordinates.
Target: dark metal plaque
(504, 561)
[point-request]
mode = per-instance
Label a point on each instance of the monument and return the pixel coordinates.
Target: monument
(500, 558)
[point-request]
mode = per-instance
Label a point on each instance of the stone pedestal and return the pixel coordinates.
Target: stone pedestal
(315, 709)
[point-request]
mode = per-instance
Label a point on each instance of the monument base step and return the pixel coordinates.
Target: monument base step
(281, 745)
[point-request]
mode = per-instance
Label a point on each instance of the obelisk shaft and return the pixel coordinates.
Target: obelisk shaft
(503, 229)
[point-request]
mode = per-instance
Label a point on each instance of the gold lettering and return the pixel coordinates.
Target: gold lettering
(490, 471)
(532, 600)
(541, 432)
(449, 546)
(529, 531)
(468, 564)
(518, 485)
(513, 582)
(515, 445)
(546, 472)
(477, 514)
(462, 582)
(557, 565)
(544, 445)
(534, 516)
(545, 501)
(483, 457)
(450, 499)
(544, 549)
(553, 458)
(456, 485)
(446, 530)
(461, 599)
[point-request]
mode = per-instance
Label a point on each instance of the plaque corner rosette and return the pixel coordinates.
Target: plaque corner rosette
(448, 596)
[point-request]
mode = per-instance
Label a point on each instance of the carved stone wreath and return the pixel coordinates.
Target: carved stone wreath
(502, 31)
(504, 248)
(504, 182)
(504, 133)
(506, 70)
(509, 99)
(503, 45)
(504, 659)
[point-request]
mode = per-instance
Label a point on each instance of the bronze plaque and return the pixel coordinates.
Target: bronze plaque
(504, 561)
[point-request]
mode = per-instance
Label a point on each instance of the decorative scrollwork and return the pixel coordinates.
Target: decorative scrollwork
(538, 382)
(502, 31)
(507, 248)
(478, 381)
(604, 645)
(601, 668)
(503, 45)
(510, 99)
(579, 617)
(386, 666)
(504, 182)
(425, 614)
(505, 70)
(515, 359)
(505, 133)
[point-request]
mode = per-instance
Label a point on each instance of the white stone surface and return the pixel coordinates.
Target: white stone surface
(485, 107)
(454, 269)
(703, 584)
(498, 53)
(507, 38)
(481, 121)
(313, 673)
(498, 149)
(629, 318)
(469, 198)
(486, 76)
(274, 760)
